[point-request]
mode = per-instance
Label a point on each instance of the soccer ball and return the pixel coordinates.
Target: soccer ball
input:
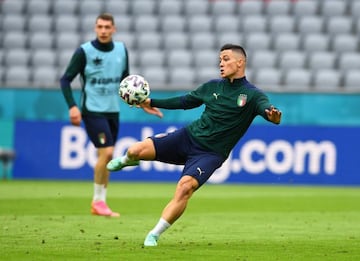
(134, 89)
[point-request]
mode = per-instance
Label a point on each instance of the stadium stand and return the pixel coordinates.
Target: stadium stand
(293, 45)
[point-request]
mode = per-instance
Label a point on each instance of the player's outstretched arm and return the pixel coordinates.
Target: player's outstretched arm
(273, 114)
(146, 106)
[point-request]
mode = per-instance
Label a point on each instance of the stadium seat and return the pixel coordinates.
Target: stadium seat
(354, 9)
(129, 38)
(179, 58)
(222, 8)
(345, 43)
(257, 41)
(170, 7)
(339, 25)
(327, 80)
(226, 23)
(67, 40)
(281, 24)
(40, 23)
(41, 40)
(124, 23)
(250, 7)
(133, 58)
(13, 6)
(172, 23)
(151, 58)
(228, 37)
(142, 7)
(316, 42)
(86, 24)
(17, 76)
(38, 7)
(182, 78)
(253, 24)
(202, 40)
(93, 7)
(14, 39)
(292, 59)
(268, 78)
(279, 7)
(349, 61)
(352, 80)
(45, 77)
(13, 22)
(199, 23)
(321, 60)
(176, 40)
(206, 73)
(148, 40)
(305, 7)
(156, 76)
(43, 57)
(146, 23)
(206, 57)
(117, 7)
(309, 24)
(262, 59)
(63, 58)
(286, 42)
(298, 79)
(199, 7)
(65, 7)
(17, 57)
(68, 23)
(332, 8)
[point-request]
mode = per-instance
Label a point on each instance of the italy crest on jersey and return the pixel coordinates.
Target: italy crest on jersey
(241, 100)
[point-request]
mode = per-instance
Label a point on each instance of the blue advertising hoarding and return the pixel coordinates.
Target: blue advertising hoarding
(266, 154)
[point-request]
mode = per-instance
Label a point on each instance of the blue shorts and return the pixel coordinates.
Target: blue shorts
(179, 148)
(102, 131)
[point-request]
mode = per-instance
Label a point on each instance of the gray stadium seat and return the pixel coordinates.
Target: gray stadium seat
(321, 60)
(86, 24)
(352, 80)
(156, 76)
(146, 23)
(142, 7)
(206, 57)
(65, 7)
(200, 7)
(40, 23)
(202, 40)
(262, 59)
(17, 76)
(292, 59)
(182, 78)
(316, 42)
(148, 40)
(65, 40)
(124, 23)
(63, 58)
(257, 41)
(297, 79)
(279, 7)
(14, 39)
(41, 40)
(345, 43)
(268, 78)
(38, 7)
(228, 37)
(179, 58)
(129, 38)
(133, 56)
(206, 73)
(176, 40)
(13, 22)
(286, 41)
(170, 7)
(281, 24)
(349, 61)
(354, 9)
(199, 23)
(222, 7)
(254, 23)
(68, 23)
(339, 25)
(43, 57)
(305, 7)
(94, 7)
(332, 8)
(327, 80)
(151, 58)
(172, 23)
(308, 24)
(45, 77)
(250, 7)
(226, 23)
(17, 57)
(117, 7)
(13, 6)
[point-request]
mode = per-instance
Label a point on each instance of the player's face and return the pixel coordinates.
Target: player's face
(231, 64)
(104, 30)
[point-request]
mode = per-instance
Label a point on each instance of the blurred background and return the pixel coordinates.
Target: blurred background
(303, 53)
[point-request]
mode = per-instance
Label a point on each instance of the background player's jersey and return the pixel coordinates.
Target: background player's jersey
(229, 110)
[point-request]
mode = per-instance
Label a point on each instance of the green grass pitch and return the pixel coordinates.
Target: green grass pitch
(50, 220)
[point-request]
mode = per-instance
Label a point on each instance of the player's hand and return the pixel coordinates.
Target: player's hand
(274, 115)
(145, 105)
(75, 116)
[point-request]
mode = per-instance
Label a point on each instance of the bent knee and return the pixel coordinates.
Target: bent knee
(143, 150)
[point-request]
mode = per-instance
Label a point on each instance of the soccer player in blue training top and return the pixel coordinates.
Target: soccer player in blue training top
(231, 104)
(102, 64)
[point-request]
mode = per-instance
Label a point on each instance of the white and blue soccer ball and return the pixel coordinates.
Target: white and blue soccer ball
(134, 89)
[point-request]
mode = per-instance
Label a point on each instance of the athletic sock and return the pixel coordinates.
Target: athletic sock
(160, 227)
(99, 192)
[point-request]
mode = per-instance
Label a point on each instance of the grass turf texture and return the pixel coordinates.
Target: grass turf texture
(44, 220)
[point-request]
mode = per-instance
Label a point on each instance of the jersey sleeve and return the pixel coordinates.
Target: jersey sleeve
(263, 103)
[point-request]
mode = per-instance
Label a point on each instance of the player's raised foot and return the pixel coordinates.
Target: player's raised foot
(116, 164)
(100, 208)
(151, 240)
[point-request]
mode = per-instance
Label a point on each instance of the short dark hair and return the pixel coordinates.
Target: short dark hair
(233, 47)
(106, 17)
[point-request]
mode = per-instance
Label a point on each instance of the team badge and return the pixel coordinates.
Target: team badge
(102, 138)
(241, 100)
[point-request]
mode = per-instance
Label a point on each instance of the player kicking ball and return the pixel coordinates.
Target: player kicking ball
(231, 104)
